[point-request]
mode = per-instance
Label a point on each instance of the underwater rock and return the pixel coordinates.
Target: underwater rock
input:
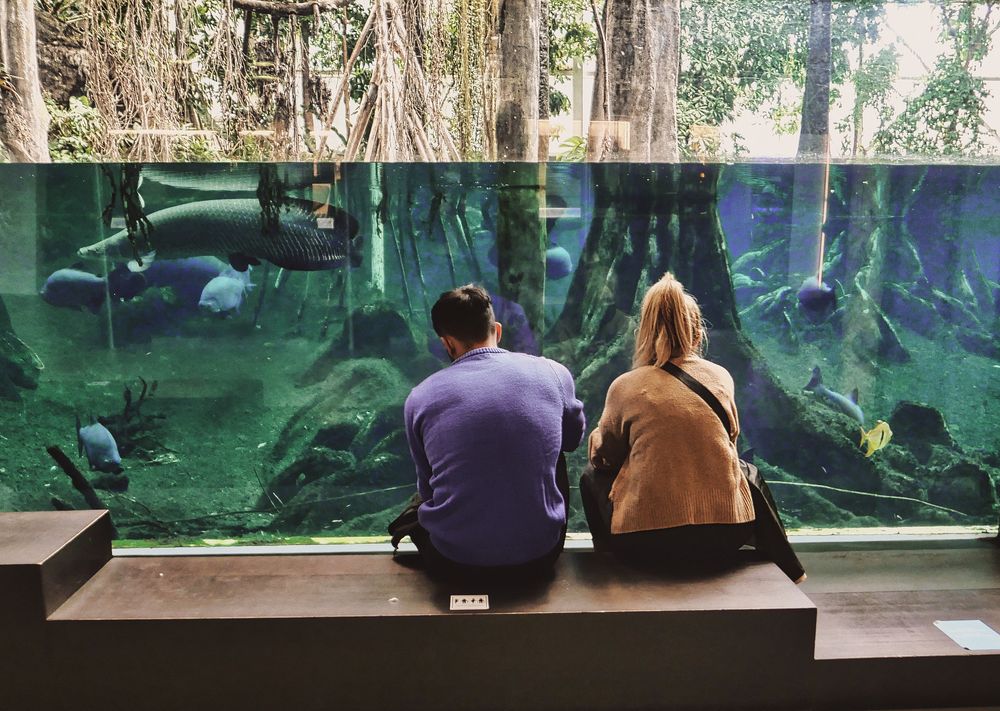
(379, 332)
(313, 465)
(917, 427)
(350, 394)
(964, 486)
(338, 435)
(387, 422)
(387, 469)
(19, 366)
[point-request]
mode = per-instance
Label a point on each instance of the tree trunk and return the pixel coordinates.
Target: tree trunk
(634, 115)
(521, 240)
(24, 122)
(814, 134)
(544, 132)
(517, 100)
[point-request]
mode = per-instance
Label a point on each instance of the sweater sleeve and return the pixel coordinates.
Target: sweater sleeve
(609, 443)
(574, 422)
(731, 406)
(416, 442)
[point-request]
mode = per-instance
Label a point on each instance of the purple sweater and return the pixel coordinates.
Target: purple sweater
(485, 434)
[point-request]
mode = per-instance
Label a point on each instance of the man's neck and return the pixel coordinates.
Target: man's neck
(491, 343)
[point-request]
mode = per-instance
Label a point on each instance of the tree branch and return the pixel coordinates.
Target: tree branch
(272, 7)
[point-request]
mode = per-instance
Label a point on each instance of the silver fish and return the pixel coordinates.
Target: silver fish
(233, 228)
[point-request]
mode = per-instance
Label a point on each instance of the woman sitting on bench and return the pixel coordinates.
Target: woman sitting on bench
(665, 482)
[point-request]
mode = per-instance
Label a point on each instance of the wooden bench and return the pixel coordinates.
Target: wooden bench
(304, 632)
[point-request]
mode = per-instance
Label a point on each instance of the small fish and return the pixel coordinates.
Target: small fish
(876, 438)
(849, 406)
(100, 447)
(225, 292)
(74, 289)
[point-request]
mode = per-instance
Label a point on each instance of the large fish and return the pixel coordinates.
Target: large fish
(233, 228)
(228, 177)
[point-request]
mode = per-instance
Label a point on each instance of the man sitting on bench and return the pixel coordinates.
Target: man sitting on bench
(487, 435)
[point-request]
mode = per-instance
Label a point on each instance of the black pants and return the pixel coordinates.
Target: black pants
(702, 545)
(438, 564)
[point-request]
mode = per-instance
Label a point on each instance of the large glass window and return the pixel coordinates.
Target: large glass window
(821, 175)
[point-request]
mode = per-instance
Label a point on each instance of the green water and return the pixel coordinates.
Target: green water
(283, 418)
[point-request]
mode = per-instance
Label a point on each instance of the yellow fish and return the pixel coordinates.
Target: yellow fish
(876, 438)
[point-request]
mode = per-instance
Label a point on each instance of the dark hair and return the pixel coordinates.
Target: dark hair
(465, 313)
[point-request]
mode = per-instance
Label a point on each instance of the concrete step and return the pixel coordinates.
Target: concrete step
(876, 643)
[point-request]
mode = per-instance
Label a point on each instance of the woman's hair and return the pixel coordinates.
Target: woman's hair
(670, 325)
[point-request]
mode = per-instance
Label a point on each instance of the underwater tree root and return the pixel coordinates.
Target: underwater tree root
(80, 482)
(866, 493)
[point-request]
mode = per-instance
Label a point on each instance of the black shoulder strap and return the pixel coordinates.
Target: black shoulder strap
(701, 390)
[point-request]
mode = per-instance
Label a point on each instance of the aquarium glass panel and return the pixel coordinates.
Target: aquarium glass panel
(236, 369)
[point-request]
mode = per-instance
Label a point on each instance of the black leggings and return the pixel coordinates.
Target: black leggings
(700, 544)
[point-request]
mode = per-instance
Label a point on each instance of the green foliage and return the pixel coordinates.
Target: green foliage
(573, 149)
(74, 131)
(196, 149)
(736, 55)
(874, 83)
(328, 48)
(571, 34)
(948, 116)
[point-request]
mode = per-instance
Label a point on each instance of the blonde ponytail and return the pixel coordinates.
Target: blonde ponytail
(670, 325)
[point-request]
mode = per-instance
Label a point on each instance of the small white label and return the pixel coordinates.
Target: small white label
(118, 223)
(324, 223)
(470, 602)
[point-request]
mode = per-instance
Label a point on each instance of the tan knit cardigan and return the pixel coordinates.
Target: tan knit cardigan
(678, 464)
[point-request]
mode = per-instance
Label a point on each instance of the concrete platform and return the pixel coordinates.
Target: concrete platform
(876, 643)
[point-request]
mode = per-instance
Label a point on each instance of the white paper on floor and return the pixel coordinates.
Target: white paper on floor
(974, 635)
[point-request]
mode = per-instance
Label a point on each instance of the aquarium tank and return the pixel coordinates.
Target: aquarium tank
(228, 357)
(223, 225)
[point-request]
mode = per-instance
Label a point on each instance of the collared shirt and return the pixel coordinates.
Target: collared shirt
(485, 434)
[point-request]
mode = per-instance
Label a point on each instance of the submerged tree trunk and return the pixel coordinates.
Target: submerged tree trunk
(814, 134)
(634, 116)
(24, 122)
